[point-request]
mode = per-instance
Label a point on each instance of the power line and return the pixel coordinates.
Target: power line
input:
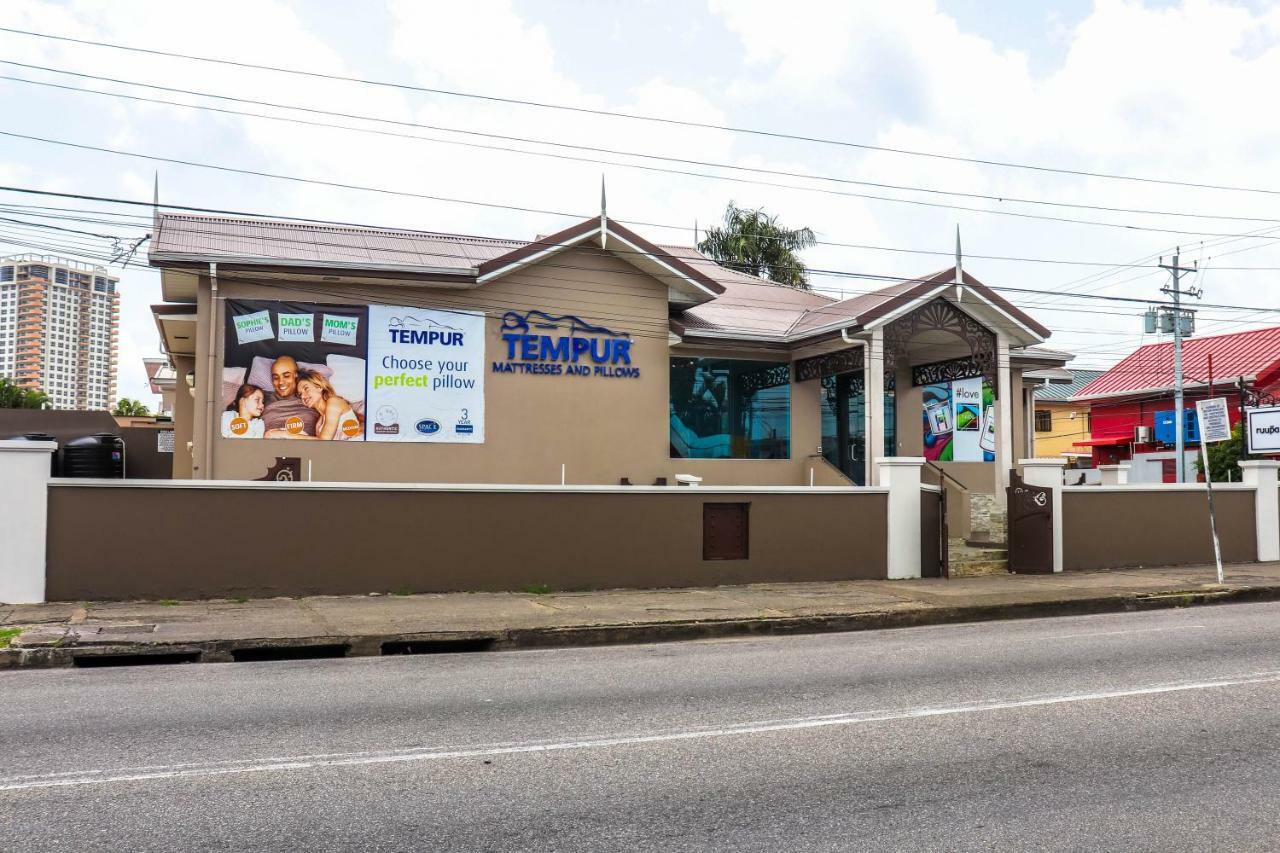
(517, 208)
(734, 281)
(595, 160)
(640, 117)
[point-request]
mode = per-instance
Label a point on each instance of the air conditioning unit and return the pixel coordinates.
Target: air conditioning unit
(1142, 435)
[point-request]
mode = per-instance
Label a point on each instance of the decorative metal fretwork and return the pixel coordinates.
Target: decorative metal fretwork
(1254, 397)
(857, 387)
(767, 377)
(940, 315)
(945, 371)
(840, 361)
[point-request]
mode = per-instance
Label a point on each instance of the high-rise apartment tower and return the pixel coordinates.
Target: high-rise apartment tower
(59, 322)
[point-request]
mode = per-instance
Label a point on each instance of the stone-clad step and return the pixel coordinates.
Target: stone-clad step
(969, 559)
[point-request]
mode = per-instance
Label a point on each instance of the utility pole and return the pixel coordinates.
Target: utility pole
(1179, 424)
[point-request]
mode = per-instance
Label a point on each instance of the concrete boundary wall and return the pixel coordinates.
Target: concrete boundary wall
(1129, 526)
(182, 540)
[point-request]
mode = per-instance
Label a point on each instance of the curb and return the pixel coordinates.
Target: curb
(56, 655)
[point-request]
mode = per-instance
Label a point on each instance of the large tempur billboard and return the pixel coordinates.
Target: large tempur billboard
(307, 371)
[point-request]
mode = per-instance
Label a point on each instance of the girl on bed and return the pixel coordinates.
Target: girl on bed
(338, 421)
(243, 417)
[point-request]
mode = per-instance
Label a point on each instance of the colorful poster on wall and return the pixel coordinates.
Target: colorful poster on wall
(959, 421)
(306, 371)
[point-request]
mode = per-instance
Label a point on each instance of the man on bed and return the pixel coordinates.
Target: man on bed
(284, 404)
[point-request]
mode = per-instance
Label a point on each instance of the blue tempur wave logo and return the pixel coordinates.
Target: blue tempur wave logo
(411, 329)
(542, 322)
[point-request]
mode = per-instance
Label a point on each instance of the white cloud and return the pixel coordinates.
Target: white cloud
(1182, 92)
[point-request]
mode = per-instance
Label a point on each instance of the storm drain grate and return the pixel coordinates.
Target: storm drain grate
(268, 653)
(147, 659)
(437, 647)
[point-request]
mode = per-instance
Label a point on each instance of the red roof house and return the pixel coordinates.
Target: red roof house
(1138, 391)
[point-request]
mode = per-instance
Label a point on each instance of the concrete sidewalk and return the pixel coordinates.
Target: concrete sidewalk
(215, 631)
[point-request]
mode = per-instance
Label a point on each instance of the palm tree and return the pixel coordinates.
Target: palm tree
(131, 408)
(14, 396)
(753, 242)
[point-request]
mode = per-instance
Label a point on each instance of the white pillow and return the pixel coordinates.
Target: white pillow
(347, 377)
(260, 372)
(232, 379)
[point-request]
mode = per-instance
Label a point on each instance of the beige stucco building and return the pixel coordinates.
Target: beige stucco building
(690, 368)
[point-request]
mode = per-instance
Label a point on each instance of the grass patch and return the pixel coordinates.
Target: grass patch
(7, 634)
(537, 589)
(240, 599)
(168, 602)
(402, 593)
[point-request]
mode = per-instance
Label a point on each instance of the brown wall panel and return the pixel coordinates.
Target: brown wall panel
(1113, 529)
(142, 459)
(930, 533)
(154, 542)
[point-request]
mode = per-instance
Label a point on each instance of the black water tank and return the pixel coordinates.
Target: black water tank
(54, 458)
(100, 455)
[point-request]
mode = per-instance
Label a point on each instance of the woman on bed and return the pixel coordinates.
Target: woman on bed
(243, 417)
(338, 421)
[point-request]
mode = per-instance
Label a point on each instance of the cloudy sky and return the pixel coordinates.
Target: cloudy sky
(1171, 91)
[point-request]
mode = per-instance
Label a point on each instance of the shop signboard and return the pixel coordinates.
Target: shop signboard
(307, 371)
(1262, 429)
(959, 421)
(535, 343)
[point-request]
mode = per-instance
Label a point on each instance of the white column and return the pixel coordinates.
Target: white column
(1114, 475)
(1004, 418)
(1047, 473)
(873, 376)
(24, 512)
(901, 475)
(1262, 475)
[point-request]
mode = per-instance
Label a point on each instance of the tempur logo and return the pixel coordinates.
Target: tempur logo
(408, 329)
(565, 345)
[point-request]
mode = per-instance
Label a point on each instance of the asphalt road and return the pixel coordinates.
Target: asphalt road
(1152, 731)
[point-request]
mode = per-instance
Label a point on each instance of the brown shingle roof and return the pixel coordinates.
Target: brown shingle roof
(742, 304)
(188, 236)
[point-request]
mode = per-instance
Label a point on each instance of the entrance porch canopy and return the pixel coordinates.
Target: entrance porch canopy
(944, 327)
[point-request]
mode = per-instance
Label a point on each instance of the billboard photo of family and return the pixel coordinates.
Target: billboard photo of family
(294, 371)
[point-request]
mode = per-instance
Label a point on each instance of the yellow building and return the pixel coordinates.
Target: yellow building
(1058, 422)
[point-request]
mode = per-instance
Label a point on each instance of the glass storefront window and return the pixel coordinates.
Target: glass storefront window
(844, 424)
(724, 408)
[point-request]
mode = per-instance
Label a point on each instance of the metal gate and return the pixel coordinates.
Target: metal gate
(1030, 527)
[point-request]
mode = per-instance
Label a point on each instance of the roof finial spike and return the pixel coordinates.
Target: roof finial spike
(959, 281)
(604, 217)
(155, 203)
